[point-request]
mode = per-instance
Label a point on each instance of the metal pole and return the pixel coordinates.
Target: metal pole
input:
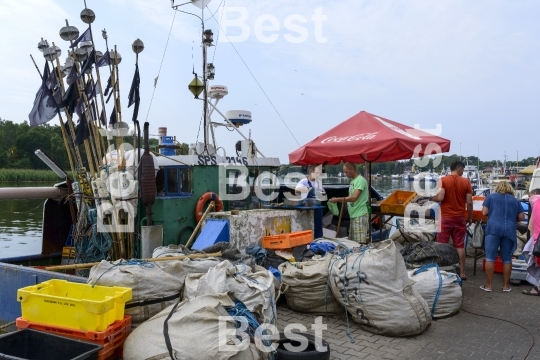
(227, 120)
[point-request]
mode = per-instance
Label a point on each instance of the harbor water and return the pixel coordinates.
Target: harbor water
(20, 224)
(20, 220)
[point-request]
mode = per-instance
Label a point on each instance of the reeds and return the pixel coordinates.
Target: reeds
(27, 175)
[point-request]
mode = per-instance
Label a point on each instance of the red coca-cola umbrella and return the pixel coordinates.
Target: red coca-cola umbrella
(368, 138)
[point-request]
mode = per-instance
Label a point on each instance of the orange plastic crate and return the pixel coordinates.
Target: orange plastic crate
(114, 331)
(477, 214)
(498, 265)
(397, 201)
(112, 339)
(287, 241)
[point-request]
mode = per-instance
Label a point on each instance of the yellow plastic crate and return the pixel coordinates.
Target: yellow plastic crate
(73, 305)
(397, 201)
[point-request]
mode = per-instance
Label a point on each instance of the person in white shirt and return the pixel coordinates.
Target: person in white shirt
(311, 186)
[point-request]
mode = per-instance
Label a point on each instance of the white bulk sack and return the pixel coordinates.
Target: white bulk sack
(254, 289)
(306, 288)
(374, 287)
(154, 285)
(193, 330)
(440, 289)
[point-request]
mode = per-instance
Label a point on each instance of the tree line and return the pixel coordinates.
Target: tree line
(19, 141)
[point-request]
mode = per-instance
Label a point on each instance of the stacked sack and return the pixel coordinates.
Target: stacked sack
(440, 289)
(306, 288)
(373, 285)
(189, 330)
(255, 289)
(155, 285)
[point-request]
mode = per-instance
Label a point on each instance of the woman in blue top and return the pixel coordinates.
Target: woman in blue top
(503, 211)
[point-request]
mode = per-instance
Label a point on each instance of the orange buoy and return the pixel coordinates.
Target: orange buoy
(203, 200)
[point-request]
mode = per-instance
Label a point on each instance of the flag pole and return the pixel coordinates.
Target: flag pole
(113, 67)
(64, 135)
(89, 152)
(39, 72)
(102, 142)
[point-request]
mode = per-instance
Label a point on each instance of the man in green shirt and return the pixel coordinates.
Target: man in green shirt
(357, 204)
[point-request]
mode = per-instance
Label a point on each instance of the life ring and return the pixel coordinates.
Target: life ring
(206, 197)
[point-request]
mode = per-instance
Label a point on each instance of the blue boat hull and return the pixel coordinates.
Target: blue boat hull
(14, 277)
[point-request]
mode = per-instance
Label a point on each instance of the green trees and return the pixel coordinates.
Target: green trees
(19, 141)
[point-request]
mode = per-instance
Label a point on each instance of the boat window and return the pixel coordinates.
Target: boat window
(185, 177)
(172, 181)
(160, 182)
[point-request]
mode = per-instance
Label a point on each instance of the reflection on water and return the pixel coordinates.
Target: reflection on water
(20, 224)
(384, 186)
(20, 220)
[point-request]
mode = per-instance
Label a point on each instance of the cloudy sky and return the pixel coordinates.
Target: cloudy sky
(470, 66)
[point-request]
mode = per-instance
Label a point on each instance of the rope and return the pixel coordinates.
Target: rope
(272, 305)
(508, 321)
(260, 86)
(438, 293)
(7, 325)
(122, 262)
(160, 65)
(243, 316)
(220, 18)
(21, 212)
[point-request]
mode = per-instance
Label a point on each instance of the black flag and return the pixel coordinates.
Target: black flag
(108, 87)
(69, 101)
(90, 60)
(85, 36)
(112, 119)
(45, 108)
(79, 109)
(133, 97)
(72, 76)
(94, 113)
(105, 60)
(102, 117)
(82, 132)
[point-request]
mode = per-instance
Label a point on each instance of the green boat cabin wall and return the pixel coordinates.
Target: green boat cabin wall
(177, 213)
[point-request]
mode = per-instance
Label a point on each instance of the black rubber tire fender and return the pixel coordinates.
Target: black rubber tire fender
(310, 353)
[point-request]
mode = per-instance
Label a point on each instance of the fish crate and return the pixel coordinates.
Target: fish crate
(114, 331)
(73, 305)
(32, 344)
(478, 202)
(498, 265)
(287, 241)
(396, 202)
(519, 270)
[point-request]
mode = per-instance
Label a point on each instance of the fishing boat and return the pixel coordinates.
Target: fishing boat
(122, 201)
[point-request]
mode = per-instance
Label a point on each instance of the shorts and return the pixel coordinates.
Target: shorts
(358, 230)
(492, 245)
(455, 227)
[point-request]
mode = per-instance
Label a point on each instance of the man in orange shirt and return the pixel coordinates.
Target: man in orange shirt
(454, 193)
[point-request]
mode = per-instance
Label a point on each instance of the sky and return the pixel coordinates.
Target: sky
(306, 66)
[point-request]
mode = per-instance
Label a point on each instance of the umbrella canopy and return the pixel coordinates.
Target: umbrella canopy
(367, 138)
(529, 170)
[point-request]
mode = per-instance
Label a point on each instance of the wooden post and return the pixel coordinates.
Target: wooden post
(192, 237)
(169, 258)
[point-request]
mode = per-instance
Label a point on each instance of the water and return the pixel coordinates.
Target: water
(21, 220)
(385, 187)
(20, 224)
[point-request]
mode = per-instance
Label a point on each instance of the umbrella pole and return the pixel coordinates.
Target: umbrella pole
(369, 199)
